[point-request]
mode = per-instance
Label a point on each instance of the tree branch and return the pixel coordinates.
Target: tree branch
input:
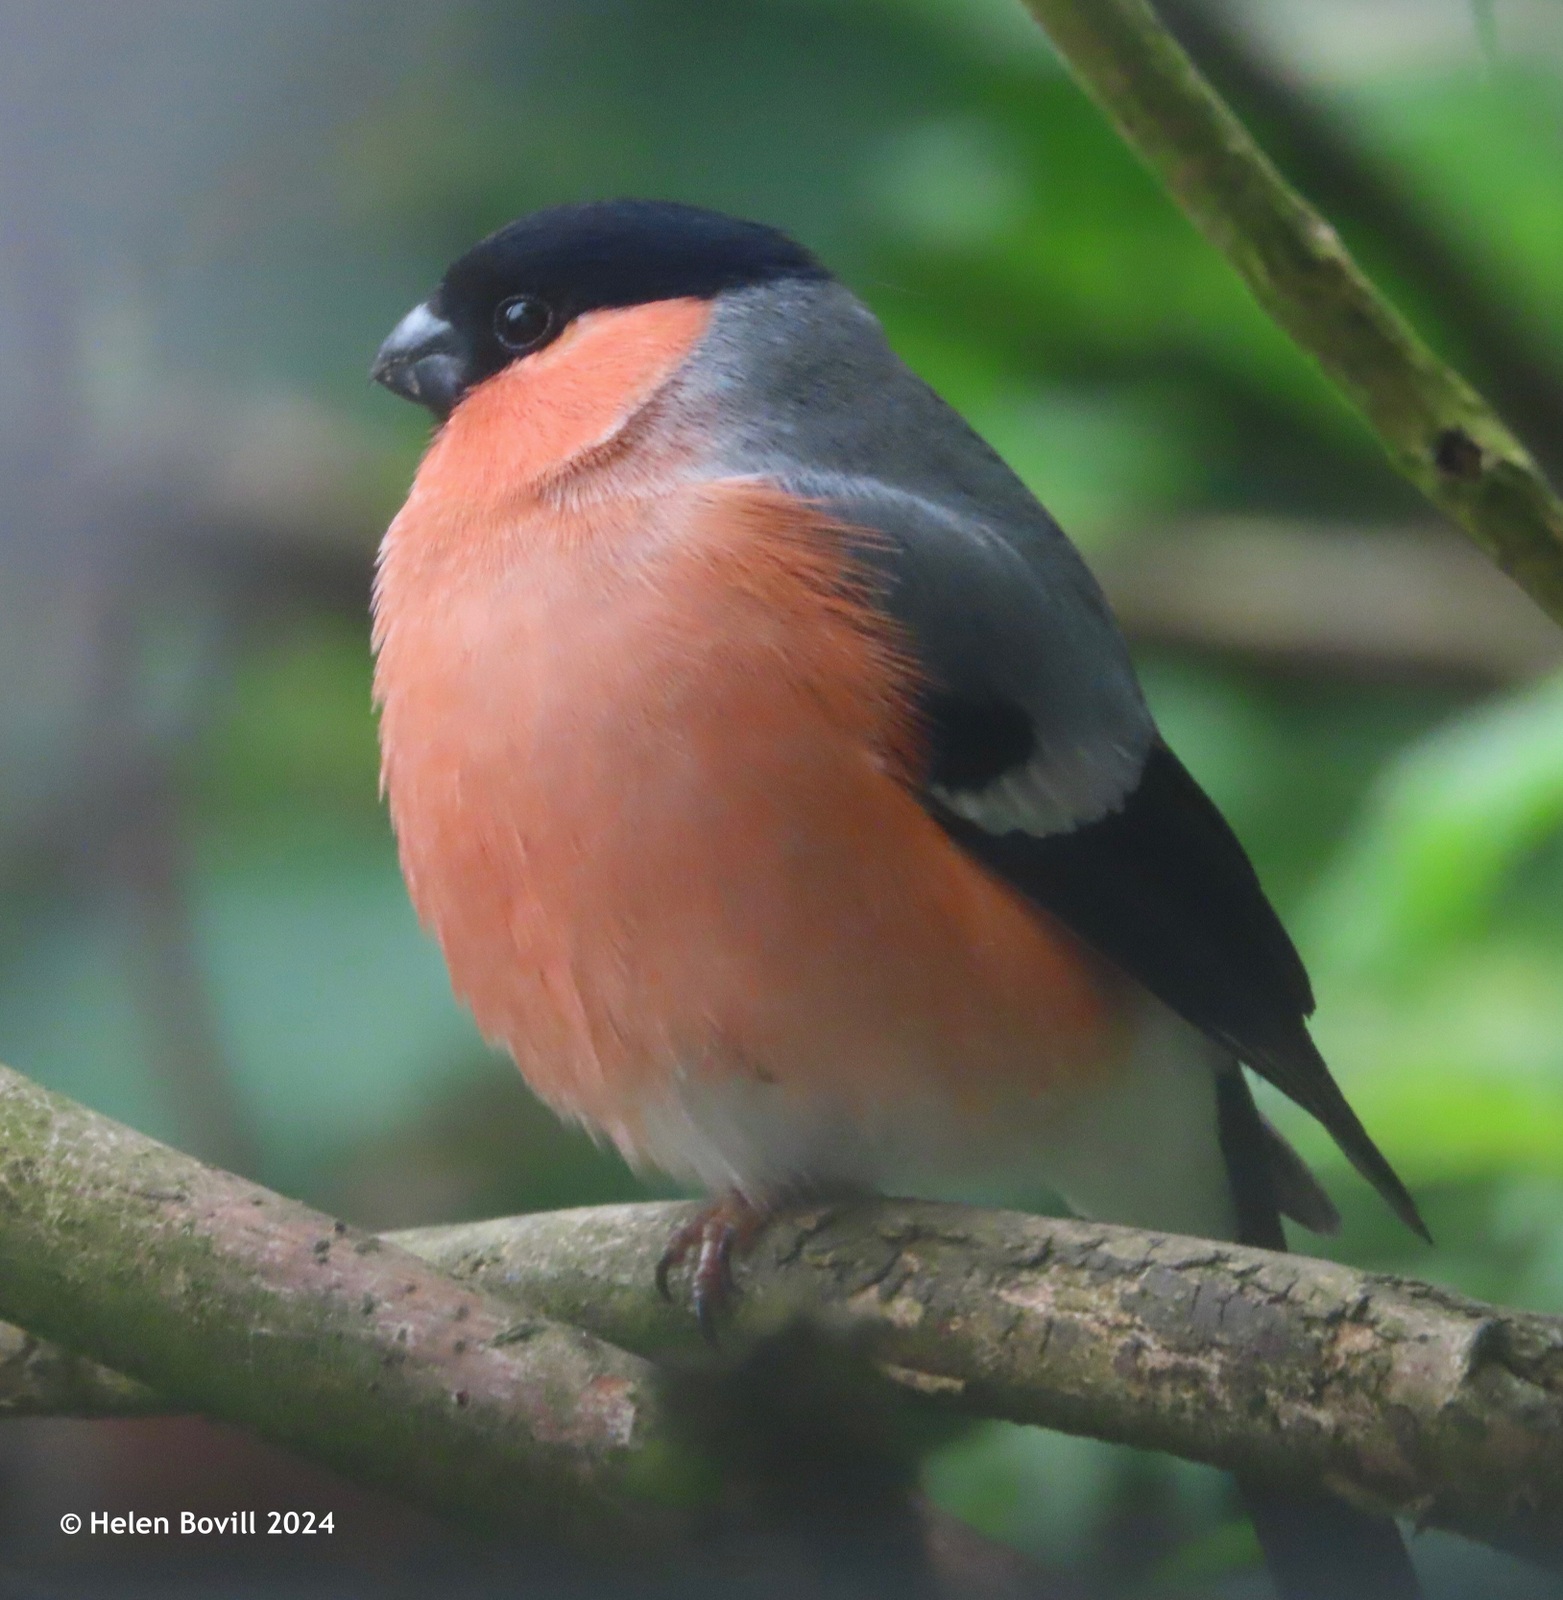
(39, 1378)
(1438, 431)
(1400, 1395)
(1397, 1394)
(230, 1300)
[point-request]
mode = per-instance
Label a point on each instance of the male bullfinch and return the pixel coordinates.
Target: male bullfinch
(777, 784)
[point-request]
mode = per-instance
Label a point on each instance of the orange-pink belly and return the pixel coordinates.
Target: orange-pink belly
(645, 777)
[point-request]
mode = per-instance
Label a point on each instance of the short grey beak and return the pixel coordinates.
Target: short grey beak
(424, 361)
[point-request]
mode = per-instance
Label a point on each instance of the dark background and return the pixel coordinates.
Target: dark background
(211, 212)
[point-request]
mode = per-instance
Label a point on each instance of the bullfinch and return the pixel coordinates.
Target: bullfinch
(776, 782)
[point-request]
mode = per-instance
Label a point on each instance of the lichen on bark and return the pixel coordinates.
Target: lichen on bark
(1398, 1394)
(227, 1299)
(500, 1372)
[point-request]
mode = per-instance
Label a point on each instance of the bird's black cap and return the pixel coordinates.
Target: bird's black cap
(546, 269)
(620, 253)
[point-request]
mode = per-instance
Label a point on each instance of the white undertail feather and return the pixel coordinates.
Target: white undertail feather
(1145, 1150)
(1141, 1149)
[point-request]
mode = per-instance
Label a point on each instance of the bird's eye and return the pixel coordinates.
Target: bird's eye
(521, 322)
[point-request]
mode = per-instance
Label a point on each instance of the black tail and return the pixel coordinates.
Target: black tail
(1320, 1548)
(1316, 1546)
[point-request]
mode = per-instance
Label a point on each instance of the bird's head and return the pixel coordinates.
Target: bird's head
(522, 287)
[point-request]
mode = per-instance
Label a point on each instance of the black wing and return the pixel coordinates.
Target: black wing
(1043, 763)
(1163, 889)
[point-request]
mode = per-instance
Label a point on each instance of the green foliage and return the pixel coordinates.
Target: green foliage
(1437, 943)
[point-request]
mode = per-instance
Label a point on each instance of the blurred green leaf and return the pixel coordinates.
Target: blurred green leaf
(1450, 820)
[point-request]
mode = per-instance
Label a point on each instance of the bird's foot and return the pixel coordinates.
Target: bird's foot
(711, 1236)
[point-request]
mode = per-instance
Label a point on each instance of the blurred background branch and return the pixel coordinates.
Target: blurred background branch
(1450, 279)
(1436, 428)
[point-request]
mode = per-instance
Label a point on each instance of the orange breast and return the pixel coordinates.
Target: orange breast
(644, 751)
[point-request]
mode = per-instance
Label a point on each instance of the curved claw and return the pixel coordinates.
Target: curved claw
(669, 1259)
(685, 1237)
(712, 1234)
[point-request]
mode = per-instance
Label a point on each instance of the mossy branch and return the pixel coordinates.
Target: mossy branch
(460, 1380)
(1399, 1395)
(1438, 431)
(227, 1299)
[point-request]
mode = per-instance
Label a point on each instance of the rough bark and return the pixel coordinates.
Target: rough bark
(1401, 1396)
(230, 1300)
(1438, 431)
(479, 1398)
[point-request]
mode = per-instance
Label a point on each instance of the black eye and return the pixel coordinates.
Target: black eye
(521, 322)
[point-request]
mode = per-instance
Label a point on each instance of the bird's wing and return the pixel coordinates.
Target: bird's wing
(1044, 764)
